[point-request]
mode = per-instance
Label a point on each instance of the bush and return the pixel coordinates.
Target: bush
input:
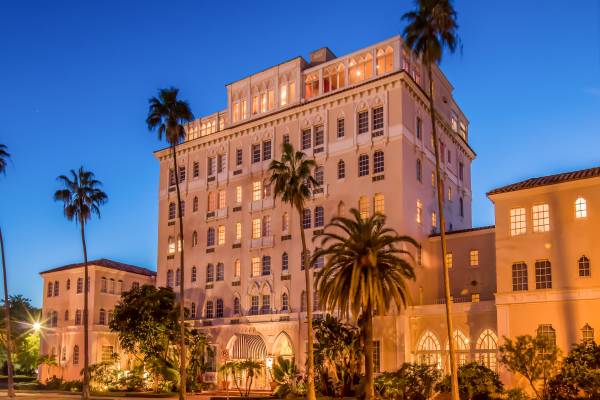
(475, 382)
(410, 382)
(516, 394)
(579, 375)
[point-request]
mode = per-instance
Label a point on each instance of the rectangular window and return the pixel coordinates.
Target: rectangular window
(319, 135)
(461, 171)
(306, 218)
(244, 113)
(378, 121)
(363, 165)
(266, 226)
(181, 174)
(255, 153)
(220, 163)
(266, 150)
(211, 166)
(306, 139)
(239, 154)
(238, 194)
(541, 218)
(434, 219)
(256, 190)
(263, 102)
(474, 258)
(379, 204)
(266, 304)
(419, 211)
(283, 94)
(419, 128)
(238, 231)
(196, 169)
(519, 277)
(376, 356)
(378, 162)
(518, 225)
(222, 199)
(363, 122)
(256, 266)
(292, 92)
(236, 111)
(319, 217)
(286, 139)
(449, 260)
(221, 235)
(543, 274)
(340, 128)
(256, 228)
(271, 95)
(107, 353)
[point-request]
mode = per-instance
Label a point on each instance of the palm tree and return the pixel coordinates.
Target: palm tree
(82, 197)
(294, 182)
(4, 156)
(166, 114)
(365, 273)
(430, 30)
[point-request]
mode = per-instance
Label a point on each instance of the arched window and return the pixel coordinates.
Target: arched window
(311, 85)
(428, 350)
(319, 217)
(378, 162)
(363, 165)
(285, 222)
(419, 170)
(102, 318)
(112, 286)
(285, 263)
(487, 348)
(212, 201)
(77, 317)
(66, 315)
(55, 288)
(587, 333)
(50, 290)
(170, 278)
(210, 237)
(360, 69)
(195, 204)
(341, 208)
(580, 207)
(103, 285)
(68, 284)
(177, 277)
(333, 77)
(363, 207)
(306, 218)
(266, 265)
(303, 301)
(385, 60)
(584, 266)
(462, 206)
(193, 311)
(379, 203)
(210, 273)
(219, 308)
(341, 169)
(315, 301)
(547, 331)
(209, 309)
(237, 268)
(172, 211)
(171, 243)
(194, 273)
(319, 175)
(75, 355)
(285, 302)
(462, 348)
(194, 239)
(236, 306)
(179, 243)
(220, 272)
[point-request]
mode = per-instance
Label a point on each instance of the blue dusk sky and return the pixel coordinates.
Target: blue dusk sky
(76, 76)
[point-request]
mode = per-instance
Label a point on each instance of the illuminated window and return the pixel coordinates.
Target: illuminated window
(360, 69)
(379, 203)
(263, 102)
(256, 190)
(236, 111)
(449, 193)
(434, 219)
(432, 179)
(107, 354)
(474, 258)
(266, 226)
(256, 266)
(256, 228)
(519, 277)
(255, 104)
(541, 218)
(238, 194)
(517, 221)
(212, 201)
(333, 77)
(238, 232)
(311, 85)
(221, 235)
(222, 199)
(341, 169)
(172, 211)
(285, 222)
(283, 98)
(171, 245)
(486, 349)
(419, 211)
(584, 266)
(363, 165)
(292, 91)
(385, 60)
(587, 333)
(363, 122)
(378, 162)
(271, 96)
(449, 260)
(580, 208)
(306, 218)
(363, 207)
(340, 128)
(428, 350)
(543, 274)
(237, 268)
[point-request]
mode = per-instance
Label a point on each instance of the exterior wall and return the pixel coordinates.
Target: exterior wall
(572, 300)
(61, 339)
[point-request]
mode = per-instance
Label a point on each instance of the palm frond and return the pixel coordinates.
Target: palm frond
(80, 194)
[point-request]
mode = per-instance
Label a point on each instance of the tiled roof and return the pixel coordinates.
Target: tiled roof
(103, 262)
(548, 180)
(478, 228)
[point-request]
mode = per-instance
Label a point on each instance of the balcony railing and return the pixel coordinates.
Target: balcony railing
(262, 242)
(258, 205)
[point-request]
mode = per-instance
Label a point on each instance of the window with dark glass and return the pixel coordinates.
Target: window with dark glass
(419, 128)
(519, 277)
(319, 217)
(378, 162)
(306, 139)
(363, 122)
(319, 135)
(377, 118)
(341, 169)
(210, 273)
(220, 272)
(209, 309)
(196, 169)
(363, 165)
(584, 266)
(239, 154)
(219, 309)
(284, 262)
(266, 265)
(255, 153)
(341, 131)
(543, 274)
(266, 150)
(306, 218)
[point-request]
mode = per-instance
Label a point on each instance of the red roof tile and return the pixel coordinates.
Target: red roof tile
(103, 262)
(548, 180)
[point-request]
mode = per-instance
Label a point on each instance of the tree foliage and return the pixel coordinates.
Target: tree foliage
(579, 375)
(26, 344)
(287, 377)
(475, 382)
(410, 382)
(243, 373)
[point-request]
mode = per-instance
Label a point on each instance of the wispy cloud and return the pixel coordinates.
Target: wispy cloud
(594, 91)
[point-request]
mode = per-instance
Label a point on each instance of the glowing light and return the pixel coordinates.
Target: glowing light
(269, 362)
(36, 326)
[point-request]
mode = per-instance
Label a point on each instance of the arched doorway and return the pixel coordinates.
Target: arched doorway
(243, 346)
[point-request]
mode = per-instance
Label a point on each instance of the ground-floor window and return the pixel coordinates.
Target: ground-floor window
(487, 349)
(428, 350)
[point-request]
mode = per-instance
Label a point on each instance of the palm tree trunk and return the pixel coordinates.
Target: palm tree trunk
(9, 363)
(368, 338)
(182, 352)
(310, 375)
(85, 393)
(440, 201)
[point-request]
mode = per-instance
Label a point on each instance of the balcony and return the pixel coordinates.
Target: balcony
(262, 242)
(217, 214)
(321, 191)
(258, 205)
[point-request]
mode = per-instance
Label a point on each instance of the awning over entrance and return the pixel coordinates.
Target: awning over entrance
(248, 347)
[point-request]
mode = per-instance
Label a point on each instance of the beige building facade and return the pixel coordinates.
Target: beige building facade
(62, 310)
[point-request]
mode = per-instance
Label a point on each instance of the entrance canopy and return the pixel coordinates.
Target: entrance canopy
(247, 347)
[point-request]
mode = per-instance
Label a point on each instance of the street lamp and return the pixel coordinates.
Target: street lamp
(36, 326)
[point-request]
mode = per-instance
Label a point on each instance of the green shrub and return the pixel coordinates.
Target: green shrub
(516, 394)
(410, 382)
(475, 382)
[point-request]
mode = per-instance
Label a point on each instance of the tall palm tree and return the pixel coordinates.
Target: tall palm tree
(4, 156)
(82, 198)
(365, 273)
(293, 180)
(430, 29)
(166, 115)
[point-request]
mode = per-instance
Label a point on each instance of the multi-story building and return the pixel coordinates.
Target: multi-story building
(364, 118)
(62, 328)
